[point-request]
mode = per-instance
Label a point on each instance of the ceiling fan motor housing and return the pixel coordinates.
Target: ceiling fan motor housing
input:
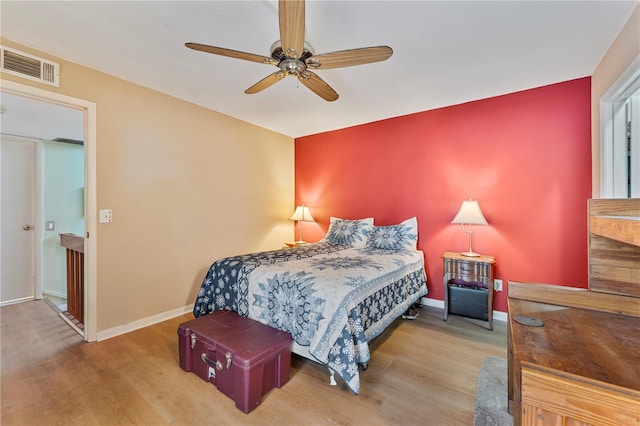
(290, 65)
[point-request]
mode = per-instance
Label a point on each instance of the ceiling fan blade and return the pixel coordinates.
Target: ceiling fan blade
(349, 58)
(318, 86)
(268, 81)
(231, 53)
(291, 15)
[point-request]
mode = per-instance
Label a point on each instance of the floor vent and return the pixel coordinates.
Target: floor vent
(30, 67)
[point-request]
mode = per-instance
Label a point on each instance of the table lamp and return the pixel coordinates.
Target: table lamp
(470, 214)
(301, 214)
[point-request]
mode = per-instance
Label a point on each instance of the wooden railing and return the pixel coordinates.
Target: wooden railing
(75, 275)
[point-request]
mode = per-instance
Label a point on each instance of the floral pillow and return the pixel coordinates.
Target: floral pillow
(403, 236)
(352, 233)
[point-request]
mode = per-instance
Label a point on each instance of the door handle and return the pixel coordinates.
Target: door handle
(27, 227)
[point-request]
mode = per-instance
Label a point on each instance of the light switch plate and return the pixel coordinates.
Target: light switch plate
(106, 216)
(50, 225)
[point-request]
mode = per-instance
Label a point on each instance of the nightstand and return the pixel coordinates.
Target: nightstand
(468, 286)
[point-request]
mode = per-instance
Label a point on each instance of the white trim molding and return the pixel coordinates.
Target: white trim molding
(144, 322)
(91, 212)
(613, 151)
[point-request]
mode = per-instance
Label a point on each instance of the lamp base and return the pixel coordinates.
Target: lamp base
(470, 254)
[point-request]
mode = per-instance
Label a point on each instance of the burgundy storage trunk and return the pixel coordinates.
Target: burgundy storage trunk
(242, 357)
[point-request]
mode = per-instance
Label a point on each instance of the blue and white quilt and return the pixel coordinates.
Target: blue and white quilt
(332, 299)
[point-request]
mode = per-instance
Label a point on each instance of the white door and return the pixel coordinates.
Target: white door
(17, 217)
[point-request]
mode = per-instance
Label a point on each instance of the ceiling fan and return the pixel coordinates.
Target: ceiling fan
(295, 57)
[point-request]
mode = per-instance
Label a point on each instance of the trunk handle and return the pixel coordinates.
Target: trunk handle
(216, 364)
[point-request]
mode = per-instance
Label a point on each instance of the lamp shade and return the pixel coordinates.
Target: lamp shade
(302, 214)
(470, 214)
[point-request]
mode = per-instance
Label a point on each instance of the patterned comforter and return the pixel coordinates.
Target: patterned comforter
(332, 299)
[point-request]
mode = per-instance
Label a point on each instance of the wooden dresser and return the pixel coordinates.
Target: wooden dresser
(582, 365)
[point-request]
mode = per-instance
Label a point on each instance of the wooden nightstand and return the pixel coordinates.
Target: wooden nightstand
(468, 286)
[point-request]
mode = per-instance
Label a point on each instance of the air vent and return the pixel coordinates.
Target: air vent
(30, 67)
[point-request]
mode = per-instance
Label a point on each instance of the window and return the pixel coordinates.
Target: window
(620, 138)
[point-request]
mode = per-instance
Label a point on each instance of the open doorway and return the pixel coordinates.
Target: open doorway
(42, 155)
(66, 164)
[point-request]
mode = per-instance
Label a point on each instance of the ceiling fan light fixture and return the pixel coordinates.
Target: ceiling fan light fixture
(292, 67)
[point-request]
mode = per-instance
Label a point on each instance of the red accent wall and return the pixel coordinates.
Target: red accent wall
(525, 156)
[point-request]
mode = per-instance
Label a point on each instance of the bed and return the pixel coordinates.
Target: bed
(333, 296)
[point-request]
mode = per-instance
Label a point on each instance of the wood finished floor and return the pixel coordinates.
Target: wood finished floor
(421, 372)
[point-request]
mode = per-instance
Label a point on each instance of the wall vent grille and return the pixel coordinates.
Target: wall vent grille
(30, 67)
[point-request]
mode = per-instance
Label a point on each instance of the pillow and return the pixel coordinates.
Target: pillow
(403, 236)
(352, 233)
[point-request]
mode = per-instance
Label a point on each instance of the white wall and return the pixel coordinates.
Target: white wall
(64, 204)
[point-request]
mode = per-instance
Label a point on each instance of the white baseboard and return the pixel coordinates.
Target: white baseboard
(500, 316)
(497, 315)
(433, 302)
(135, 325)
(54, 293)
(14, 301)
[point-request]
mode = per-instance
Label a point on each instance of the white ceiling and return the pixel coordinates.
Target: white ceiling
(445, 52)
